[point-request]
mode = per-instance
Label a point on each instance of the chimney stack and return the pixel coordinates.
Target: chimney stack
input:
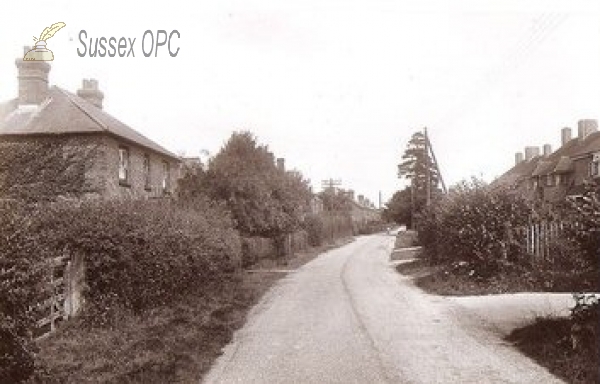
(90, 92)
(33, 80)
(361, 199)
(547, 150)
(531, 152)
(281, 163)
(518, 158)
(565, 135)
(586, 127)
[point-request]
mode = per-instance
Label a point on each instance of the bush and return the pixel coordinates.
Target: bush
(315, 228)
(21, 284)
(144, 254)
(474, 224)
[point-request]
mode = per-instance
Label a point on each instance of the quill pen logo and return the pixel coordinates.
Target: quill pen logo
(39, 51)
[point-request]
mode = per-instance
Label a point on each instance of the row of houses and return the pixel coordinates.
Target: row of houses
(123, 163)
(548, 176)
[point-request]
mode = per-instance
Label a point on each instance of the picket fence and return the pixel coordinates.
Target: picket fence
(539, 236)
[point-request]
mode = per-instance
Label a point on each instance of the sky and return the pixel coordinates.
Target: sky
(337, 88)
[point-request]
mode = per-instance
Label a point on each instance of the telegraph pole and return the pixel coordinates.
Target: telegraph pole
(435, 163)
(427, 171)
(330, 184)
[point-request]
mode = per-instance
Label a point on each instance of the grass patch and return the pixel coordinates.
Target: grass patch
(548, 342)
(457, 280)
(171, 344)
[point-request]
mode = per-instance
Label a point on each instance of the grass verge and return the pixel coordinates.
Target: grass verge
(173, 344)
(548, 341)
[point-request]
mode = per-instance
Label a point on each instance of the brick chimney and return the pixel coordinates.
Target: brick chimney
(90, 92)
(531, 152)
(586, 127)
(33, 80)
(547, 150)
(281, 163)
(518, 158)
(565, 135)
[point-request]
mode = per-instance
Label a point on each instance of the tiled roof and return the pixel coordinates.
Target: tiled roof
(544, 167)
(564, 165)
(63, 112)
(520, 171)
(591, 144)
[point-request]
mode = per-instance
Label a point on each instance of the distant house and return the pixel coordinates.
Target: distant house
(121, 162)
(552, 176)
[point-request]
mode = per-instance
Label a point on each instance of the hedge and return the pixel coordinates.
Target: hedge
(138, 255)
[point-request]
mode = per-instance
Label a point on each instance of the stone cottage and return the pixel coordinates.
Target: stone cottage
(119, 161)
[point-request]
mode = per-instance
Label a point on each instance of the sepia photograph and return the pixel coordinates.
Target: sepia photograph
(310, 192)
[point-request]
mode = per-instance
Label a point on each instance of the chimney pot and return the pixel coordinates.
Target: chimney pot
(565, 135)
(586, 127)
(33, 79)
(281, 163)
(91, 92)
(547, 150)
(531, 152)
(518, 158)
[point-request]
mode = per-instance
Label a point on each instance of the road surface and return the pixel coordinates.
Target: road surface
(348, 317)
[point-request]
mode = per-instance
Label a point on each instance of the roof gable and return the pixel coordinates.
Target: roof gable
(62, 113)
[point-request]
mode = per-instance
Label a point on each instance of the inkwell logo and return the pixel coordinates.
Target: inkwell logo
(39, 51)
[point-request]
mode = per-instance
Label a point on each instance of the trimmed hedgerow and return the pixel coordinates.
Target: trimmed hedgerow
(315, 227)
(138, 255)
(21, 284)
(143, 254)
(474, 225)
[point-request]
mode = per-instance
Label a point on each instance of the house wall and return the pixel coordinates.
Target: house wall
(98, 154)
(135, 188)
(581, 170)
(63, 169)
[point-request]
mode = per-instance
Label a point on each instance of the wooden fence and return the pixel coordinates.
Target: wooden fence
(539, 236)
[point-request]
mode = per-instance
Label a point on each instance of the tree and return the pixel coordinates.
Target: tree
(336, 200)
(399, 208)
(264, 200)
(417, 166)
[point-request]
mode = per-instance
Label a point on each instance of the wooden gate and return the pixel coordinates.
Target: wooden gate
(64, 293)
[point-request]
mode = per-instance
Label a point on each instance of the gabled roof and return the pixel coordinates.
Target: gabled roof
(544, 167)
(63, 112)
(564, 165)
(517, 173)
(591, 144)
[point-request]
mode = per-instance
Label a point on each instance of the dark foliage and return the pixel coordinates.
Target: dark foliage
(43, 170)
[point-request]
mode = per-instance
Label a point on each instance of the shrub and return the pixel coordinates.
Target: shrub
(315, 228)
(473, 224)
(21, 284)
(582, 217)
(143, 254)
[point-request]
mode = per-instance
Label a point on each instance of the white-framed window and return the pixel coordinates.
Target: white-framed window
(124, 167)
(549, 181)
(166, 177)
(147, 177)
(595, 165)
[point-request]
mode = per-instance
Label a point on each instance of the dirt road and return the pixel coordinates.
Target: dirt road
(348, 317)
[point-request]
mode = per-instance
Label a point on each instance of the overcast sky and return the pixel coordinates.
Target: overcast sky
(337, 88)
